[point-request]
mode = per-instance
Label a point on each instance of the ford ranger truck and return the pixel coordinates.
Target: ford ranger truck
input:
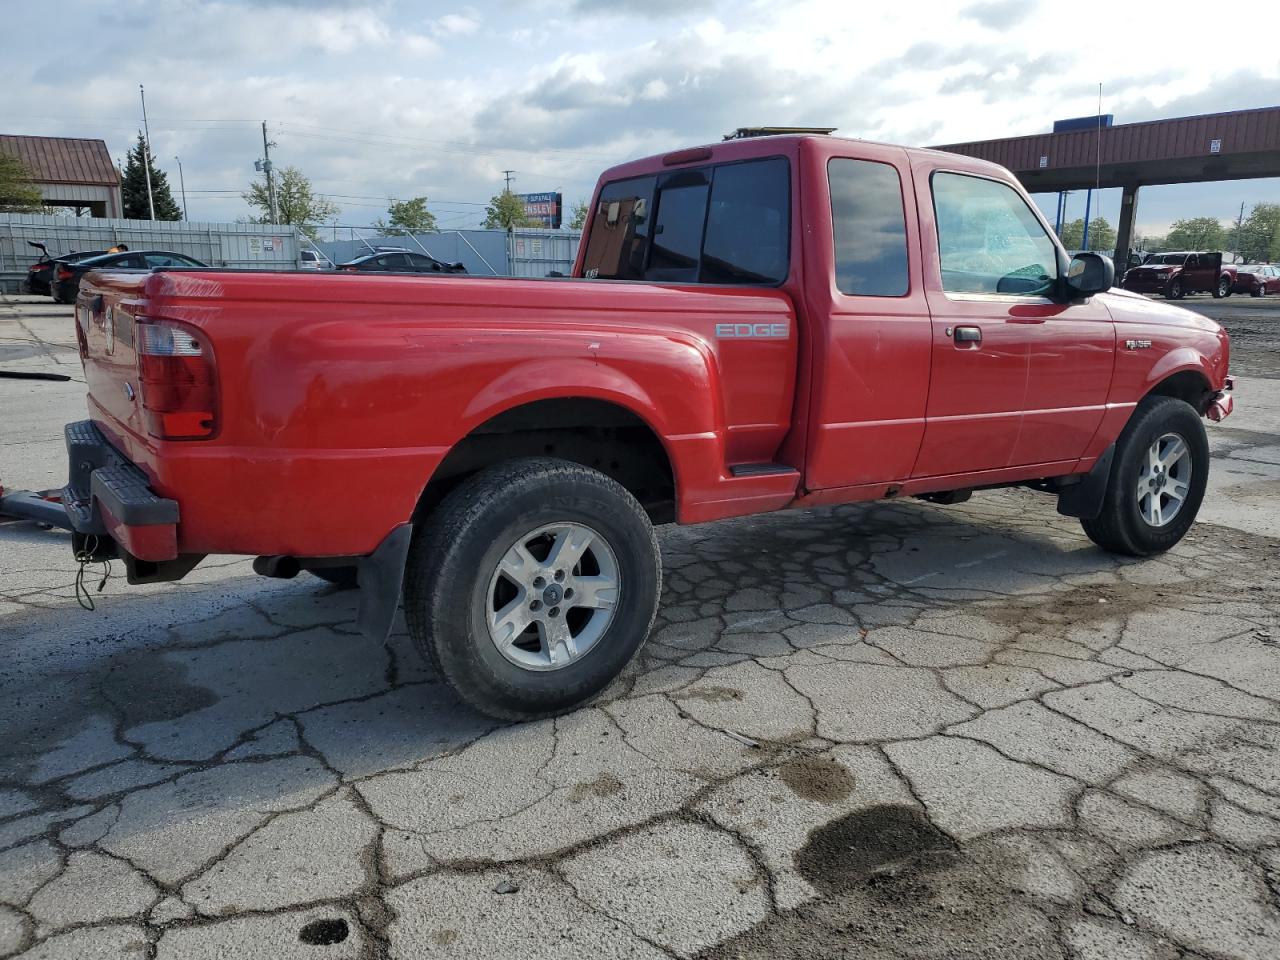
(760, 324)
(1174, 275)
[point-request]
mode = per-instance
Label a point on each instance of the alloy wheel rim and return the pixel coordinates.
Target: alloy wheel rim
(1164, 480)
(552, 596)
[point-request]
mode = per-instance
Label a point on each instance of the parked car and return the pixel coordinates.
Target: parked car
(313, 260)
(497, 452)
(1176, 274)
(40, 274)
(1257, 279)
(401, 261)
(67, 274)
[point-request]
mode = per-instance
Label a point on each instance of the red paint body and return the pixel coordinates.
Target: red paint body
(340, 394)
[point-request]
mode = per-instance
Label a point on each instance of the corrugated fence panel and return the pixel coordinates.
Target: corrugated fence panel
(244, 245)
(485, 253)
(537, 253)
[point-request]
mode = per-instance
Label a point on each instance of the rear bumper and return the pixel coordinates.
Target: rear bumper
(106, 495)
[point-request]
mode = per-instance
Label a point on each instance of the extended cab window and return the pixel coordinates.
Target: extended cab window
(722, 224)
(989, 241)
(870, 228)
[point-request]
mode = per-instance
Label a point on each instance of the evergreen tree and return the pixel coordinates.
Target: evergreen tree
(133, 187)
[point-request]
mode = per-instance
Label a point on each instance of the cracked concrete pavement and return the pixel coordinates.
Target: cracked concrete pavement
(893, 730)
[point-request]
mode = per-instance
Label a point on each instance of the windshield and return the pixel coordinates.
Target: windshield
(1178, 258)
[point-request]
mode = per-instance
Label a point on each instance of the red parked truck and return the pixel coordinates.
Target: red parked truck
(758, 324)
(1176, 274)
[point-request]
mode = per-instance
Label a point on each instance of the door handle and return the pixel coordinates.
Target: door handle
(968, 334)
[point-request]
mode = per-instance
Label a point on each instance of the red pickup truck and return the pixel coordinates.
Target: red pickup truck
(758, 324)
(1174, 275)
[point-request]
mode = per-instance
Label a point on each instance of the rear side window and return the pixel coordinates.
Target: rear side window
(989, 241)
(677, 228)
(870, 228)
(728, 224)
(748, 224)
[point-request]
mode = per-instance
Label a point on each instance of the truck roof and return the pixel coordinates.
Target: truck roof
(788, 143)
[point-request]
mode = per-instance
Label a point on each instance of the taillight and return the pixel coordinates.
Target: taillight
(65, 273)
(177, 381)
(40, 267)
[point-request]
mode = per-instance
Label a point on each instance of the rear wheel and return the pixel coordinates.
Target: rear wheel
(1174, 290)
(1223, 289)
(1157, 481)
(532, 585)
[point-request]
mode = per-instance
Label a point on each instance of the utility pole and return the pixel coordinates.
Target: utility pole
(146, 161)
(266, 167)
(183, 183)
(508, 174)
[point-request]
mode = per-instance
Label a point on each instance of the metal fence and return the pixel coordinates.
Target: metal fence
(245, 245)
(485, 253)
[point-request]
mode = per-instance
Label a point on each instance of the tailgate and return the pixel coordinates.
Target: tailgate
(105, 312)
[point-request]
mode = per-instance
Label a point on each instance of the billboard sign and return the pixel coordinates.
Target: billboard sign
(545, 208)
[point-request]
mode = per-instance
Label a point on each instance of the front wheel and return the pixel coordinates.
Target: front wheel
(1157, 481)
(1259, 291)
(1174, 290)
(1223, 289)
(532, 585)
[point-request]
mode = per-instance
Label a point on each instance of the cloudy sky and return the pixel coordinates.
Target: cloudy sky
(396, 99)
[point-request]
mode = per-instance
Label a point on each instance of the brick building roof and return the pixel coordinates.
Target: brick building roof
(63, 159)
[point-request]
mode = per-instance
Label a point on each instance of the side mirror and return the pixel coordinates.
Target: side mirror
(1090, 273)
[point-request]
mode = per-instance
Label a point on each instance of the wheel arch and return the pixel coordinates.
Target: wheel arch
(598, 432)
(1189, 383)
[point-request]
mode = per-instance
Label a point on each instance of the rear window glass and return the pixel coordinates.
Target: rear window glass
(617, 243)
(870, 228)
(728, 224)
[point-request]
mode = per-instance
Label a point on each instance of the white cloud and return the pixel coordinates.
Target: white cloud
(456, 24)
(373, 101)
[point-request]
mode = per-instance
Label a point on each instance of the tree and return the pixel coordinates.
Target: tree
(1258, 236)
(17, 193)
(296, 202)
(407, 216)
(506, 210)
(579, 218)
(1196, 233)
(133, 187)
(1102, 237)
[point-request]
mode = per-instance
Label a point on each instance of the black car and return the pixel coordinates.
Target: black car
(66, 275)
(401, 261)
(40, 273)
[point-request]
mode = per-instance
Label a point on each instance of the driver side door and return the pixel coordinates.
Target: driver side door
(989, 267)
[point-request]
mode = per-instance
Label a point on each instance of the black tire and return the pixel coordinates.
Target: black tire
(1223, 289)
(1120, 527)
(456, 552)
(1174, 290)
(1258, 291)
(341, 577)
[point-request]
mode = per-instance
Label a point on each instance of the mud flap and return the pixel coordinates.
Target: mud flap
(1084, 499)
(381, 575)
